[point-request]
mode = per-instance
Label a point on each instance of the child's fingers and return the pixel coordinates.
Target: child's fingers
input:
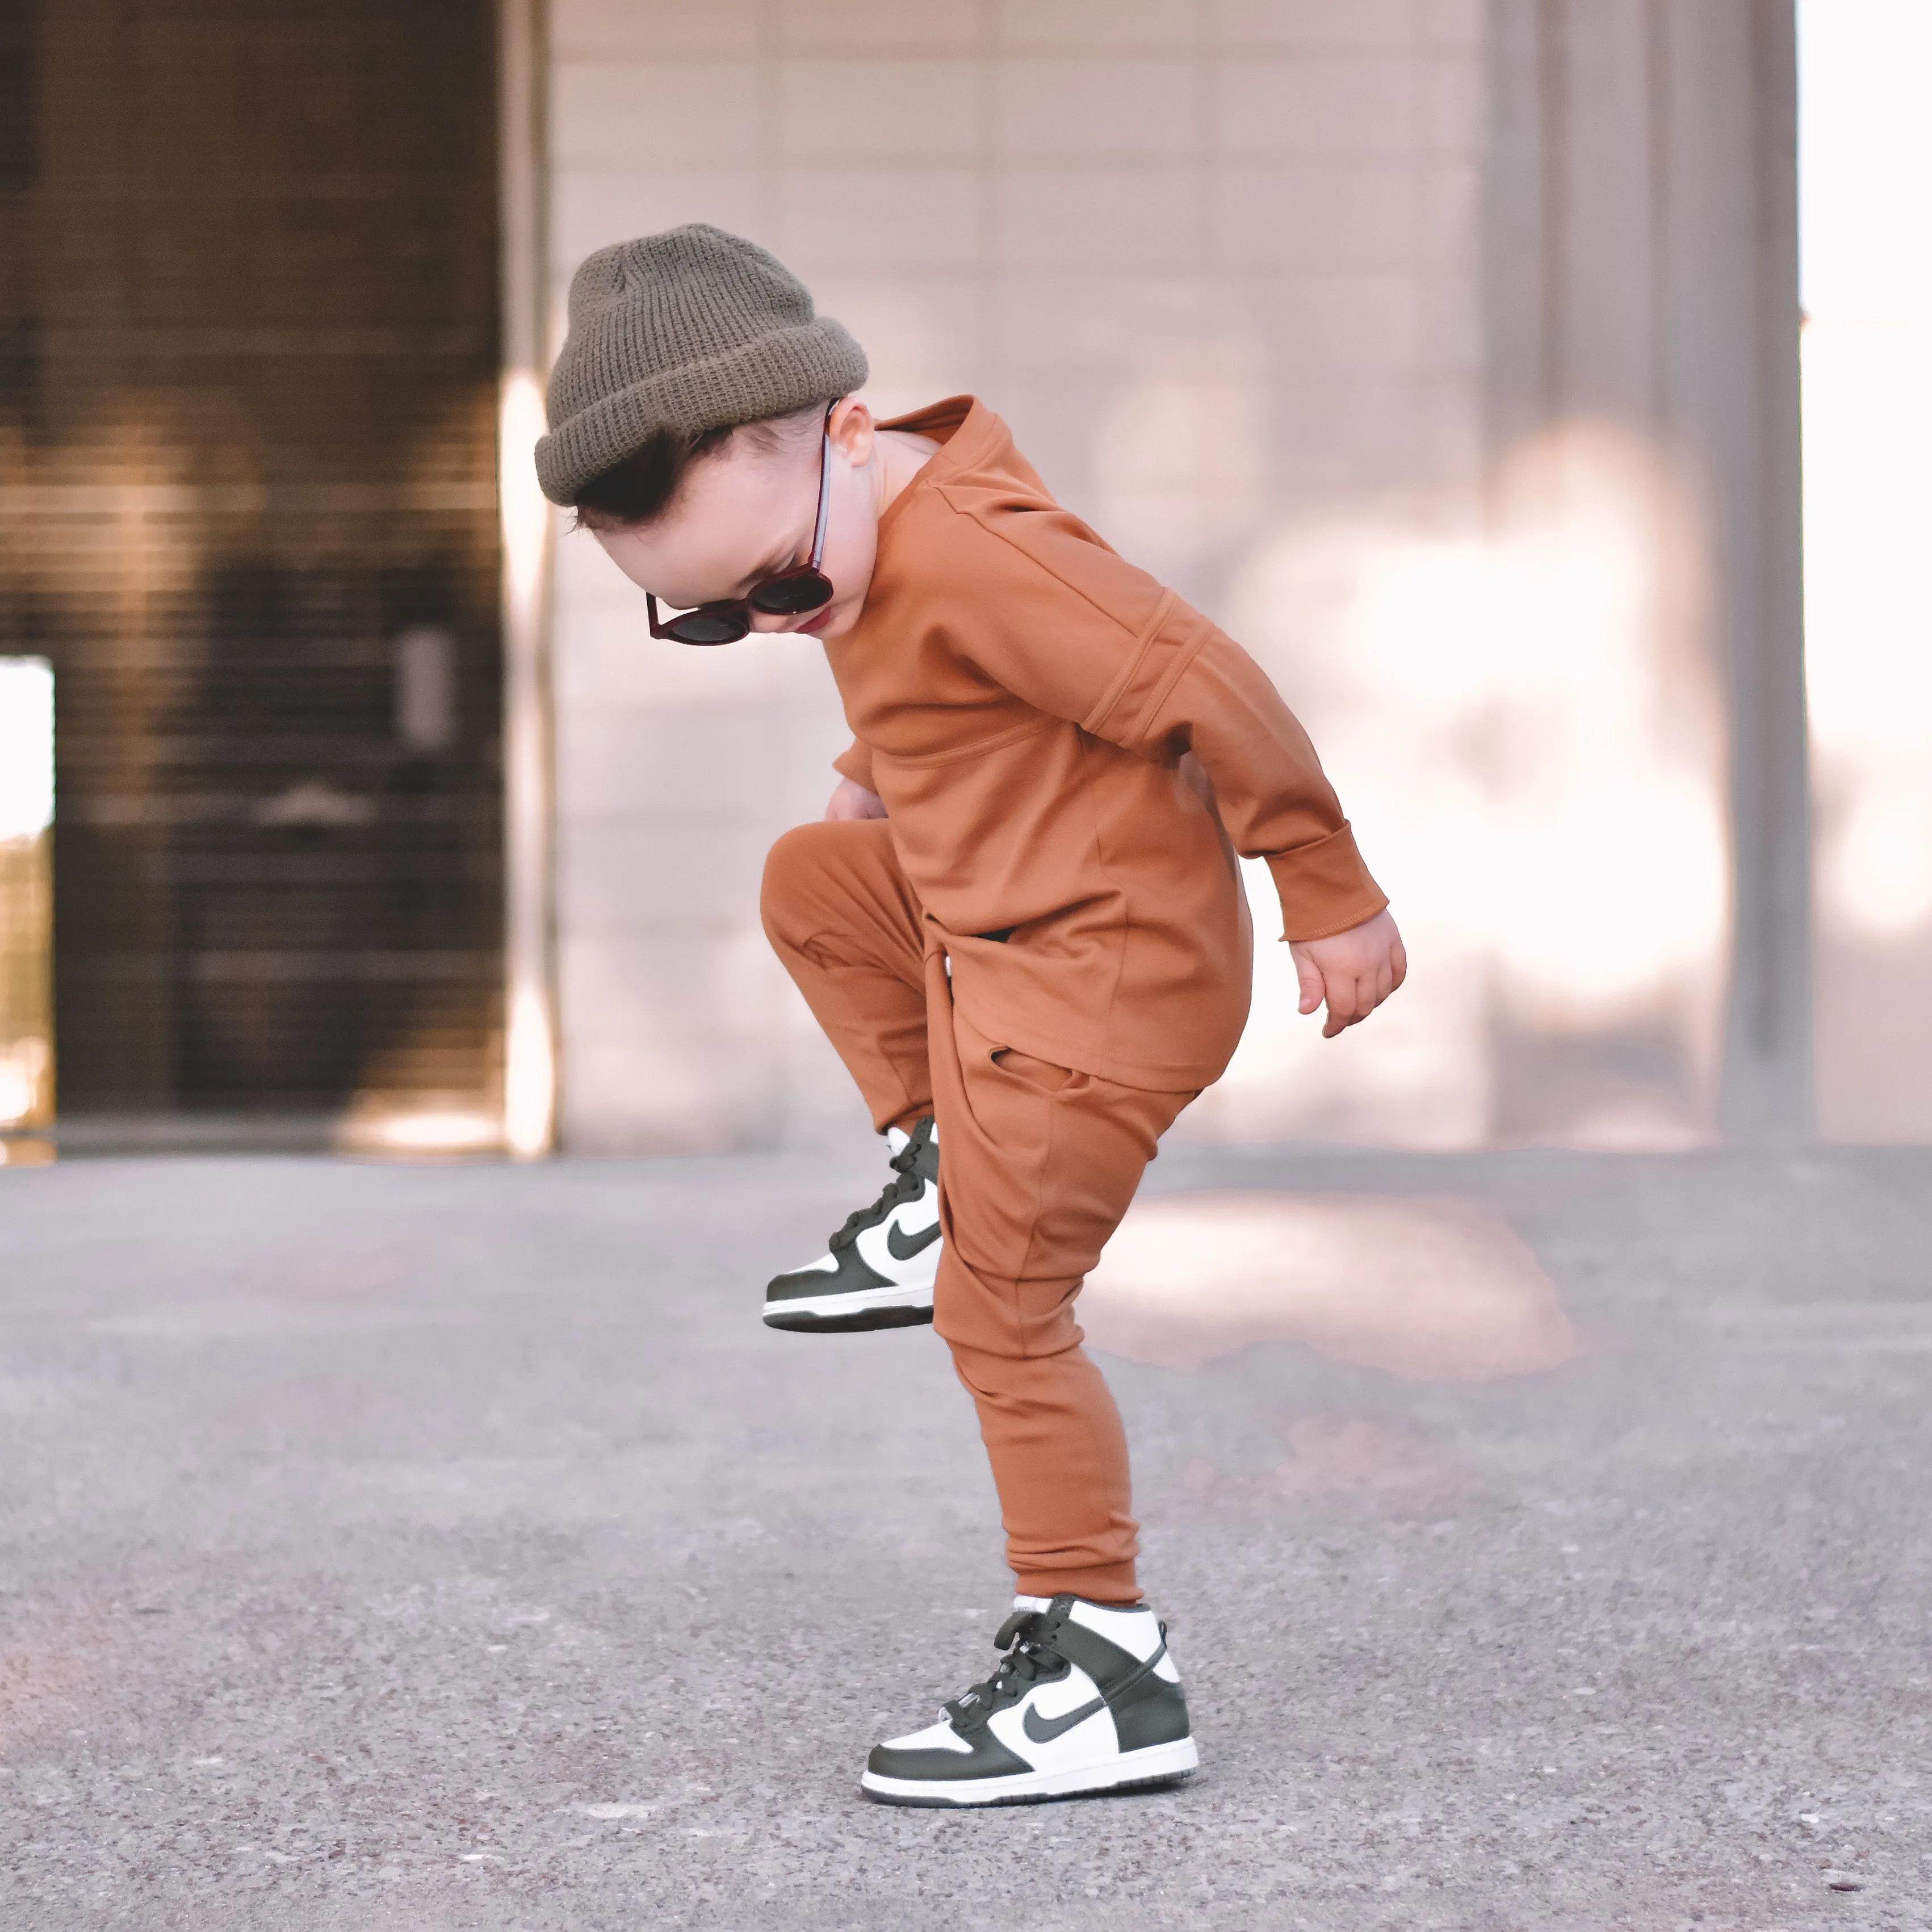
(1351, 991)
(1352, 998)
(1345, 1004)
(1309, 976)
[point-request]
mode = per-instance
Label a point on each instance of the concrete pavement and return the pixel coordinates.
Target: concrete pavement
(391, 1549)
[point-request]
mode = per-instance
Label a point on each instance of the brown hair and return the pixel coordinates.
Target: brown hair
(641, 488)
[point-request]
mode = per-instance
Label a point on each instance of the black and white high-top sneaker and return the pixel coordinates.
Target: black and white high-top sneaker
(880, 1272)
(1085, 1699)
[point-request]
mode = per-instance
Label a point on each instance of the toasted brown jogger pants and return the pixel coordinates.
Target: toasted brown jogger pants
(1037, 1164)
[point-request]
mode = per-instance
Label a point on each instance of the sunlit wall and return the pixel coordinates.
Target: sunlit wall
(1219, 267)
(1865, 169)
(1373, 325)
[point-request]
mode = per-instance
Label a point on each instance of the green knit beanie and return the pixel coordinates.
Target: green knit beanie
(689, 330)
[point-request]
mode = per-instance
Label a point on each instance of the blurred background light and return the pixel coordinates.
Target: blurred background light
(426, 1130)
(1428, 1290)
(525, 510)
(529, 1042)
(26, 747)
(26, 895)
(1865, 162)
(1520, 717)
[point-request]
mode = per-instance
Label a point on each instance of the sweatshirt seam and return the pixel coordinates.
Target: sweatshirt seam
(1020, 1320)
(999, 741)
(925, 479)
(1345, 830)
(1176, 671)
(1329, 931)
(1124, 678)
(1126, 927)
(1143, 641)
(943, 490)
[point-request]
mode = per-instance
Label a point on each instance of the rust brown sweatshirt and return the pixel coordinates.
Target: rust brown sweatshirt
(1023, 700)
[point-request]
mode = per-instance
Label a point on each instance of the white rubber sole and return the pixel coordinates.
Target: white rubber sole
(826, 1308)
(1153, 1766)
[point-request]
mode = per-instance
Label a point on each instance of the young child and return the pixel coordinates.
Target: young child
(1022, 923)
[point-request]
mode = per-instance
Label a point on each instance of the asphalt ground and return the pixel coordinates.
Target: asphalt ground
(388, 1547)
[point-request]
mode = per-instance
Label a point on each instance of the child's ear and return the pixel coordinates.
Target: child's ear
(850, 428)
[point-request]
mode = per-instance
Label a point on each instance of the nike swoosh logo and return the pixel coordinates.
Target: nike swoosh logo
(1044, 1730)
(903, 1249)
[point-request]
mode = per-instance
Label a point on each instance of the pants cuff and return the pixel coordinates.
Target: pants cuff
(1109, 1583)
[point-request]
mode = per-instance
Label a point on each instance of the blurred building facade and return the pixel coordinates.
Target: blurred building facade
(1445, 351)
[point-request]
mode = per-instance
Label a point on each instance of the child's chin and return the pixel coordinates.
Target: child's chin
(833, 623)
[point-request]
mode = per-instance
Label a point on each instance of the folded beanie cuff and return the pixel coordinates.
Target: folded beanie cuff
(771, 375)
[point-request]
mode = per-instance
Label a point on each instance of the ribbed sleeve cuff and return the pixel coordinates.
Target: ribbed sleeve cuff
(1324, 887)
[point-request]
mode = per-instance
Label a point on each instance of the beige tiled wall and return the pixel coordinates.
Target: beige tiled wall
(1215, 260)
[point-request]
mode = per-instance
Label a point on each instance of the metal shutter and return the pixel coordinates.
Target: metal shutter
(248, 361)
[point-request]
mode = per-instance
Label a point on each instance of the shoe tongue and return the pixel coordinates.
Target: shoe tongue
(898, 1139)
(1032, 1603)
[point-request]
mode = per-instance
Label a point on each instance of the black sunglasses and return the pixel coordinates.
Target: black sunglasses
(789, 594)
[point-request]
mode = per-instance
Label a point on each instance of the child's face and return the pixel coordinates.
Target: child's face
(747, 512)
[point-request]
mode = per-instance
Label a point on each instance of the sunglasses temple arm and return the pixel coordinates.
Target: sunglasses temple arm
(824, 492)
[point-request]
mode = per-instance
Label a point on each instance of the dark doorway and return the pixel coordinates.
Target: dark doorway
(247, 378)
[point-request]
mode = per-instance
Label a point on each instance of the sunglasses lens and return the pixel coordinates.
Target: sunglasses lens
(787, 596)
(708, 627)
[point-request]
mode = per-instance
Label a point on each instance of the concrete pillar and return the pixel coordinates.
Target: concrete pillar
(1641, 243)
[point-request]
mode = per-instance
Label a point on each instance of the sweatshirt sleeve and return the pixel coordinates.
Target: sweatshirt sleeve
(1083, 635)
(855, 762)
(1274, 799)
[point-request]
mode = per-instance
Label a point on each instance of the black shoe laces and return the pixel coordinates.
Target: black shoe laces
(1027, 1638)
(908, 1187)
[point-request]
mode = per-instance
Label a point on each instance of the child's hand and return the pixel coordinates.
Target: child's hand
(1354, 970)
(852, 800)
